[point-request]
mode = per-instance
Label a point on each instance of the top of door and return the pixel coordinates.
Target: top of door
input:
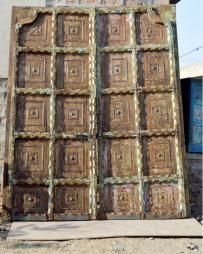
(98, 3)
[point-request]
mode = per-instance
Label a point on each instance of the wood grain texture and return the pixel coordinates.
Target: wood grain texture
(94, 121)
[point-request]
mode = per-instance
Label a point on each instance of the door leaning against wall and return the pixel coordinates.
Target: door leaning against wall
(93, 115)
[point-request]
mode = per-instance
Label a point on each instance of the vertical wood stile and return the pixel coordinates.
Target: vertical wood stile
(99, 180)
(176, 112)
(52, 120)
(12, 120)
(92, 64)
(137, 110)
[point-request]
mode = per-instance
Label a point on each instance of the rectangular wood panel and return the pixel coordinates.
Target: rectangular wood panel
(94, 116)
(31, 158)
(34, 70)
(72, 71)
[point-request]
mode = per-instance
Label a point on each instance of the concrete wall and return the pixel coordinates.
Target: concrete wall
(193, 70)
(3, 99)
(195, 184)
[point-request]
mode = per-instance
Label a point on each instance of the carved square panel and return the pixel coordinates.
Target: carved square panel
(151, 31)
(118, 157)
(72, 71)
(28, 200)
(31, 159)
(121, 199)
(73, 30)
(72, 200)
(153, 69)
(159, 156)
(72, 114)
(118, 113)
(161, 199)
(158, 111)
(114, 30)
(34, 70)
(116, 70)
(72, 159)
(37, 33)
(32, 113)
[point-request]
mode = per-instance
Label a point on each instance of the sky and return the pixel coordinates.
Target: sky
(190, 31)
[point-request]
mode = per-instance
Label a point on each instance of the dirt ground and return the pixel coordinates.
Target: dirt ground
(106, 246)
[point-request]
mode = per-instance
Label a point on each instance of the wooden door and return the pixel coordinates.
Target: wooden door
(93, 115)
(51, 146)
(141, 167)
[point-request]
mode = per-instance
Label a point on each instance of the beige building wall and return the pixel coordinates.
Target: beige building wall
(193, 70)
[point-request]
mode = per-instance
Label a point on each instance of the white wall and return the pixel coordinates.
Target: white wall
(5, 25)
(191, 71)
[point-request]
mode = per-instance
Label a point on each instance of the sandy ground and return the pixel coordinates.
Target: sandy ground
(106, 246)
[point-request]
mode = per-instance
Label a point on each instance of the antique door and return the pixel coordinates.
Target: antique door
(93, 127)
(140, 150)
(51, 147)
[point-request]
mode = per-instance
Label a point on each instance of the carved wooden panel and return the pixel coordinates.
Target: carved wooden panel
(116, 70)
(72, 114)
(118, 113)
(159, 156)
(72, 159)
(73, 71)
(156, 111)
(30, 201)
(94, 116)
(151, 29)
(38, 33)
(154, 69)
(114, 29)
(32, 113)
(33, 71)
(71, 200)
(31, 159)
(119, 158)
(107, 3)
(121, 199)
(161, 199)
(73, 30)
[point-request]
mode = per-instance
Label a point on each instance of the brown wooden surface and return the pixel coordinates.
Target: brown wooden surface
(94, 125)
(108, 3)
